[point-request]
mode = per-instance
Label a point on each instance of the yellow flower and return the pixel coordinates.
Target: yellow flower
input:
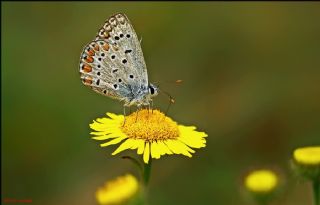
(261, 181)
(306, 162)
(150, 132)
(307, 155)
(118, 191)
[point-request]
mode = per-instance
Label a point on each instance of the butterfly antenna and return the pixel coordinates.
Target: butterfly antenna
(171, 100)
(176, 82)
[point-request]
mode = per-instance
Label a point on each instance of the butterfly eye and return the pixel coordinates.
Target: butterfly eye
(151, 89)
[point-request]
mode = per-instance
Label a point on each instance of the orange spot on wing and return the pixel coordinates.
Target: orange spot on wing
(87, 80)
(90, 52)
(96, 47)
(106, 34)
(106, 47)
(86, 68)
(88, 59)
(115, 48)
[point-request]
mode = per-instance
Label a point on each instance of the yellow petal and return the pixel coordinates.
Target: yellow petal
(118, 191)
(140, 146)
(109, 136)
(129, 143)
(178, 147)
(146, 153)
(155, 151)
(163, 148)
(193, 142)
(307, 155)
(101, 137)
(261, 181)
(104, 129)
(114, 141)
(115, 117)
(189, 128)
(103, 121)
(192, 138)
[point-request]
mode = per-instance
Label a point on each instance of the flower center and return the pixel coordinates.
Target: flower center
(150, 125)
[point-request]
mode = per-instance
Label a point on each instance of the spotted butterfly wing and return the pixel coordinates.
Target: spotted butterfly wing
(113, 63)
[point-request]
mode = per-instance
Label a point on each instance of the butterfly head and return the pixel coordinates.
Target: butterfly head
(144, 96)
(153, 90)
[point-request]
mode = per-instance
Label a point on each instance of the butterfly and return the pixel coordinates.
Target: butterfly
(113, 64)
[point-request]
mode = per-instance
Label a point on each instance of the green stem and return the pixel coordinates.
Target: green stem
(146, 178)
(264, 203)
(316, 191)
(147, 172)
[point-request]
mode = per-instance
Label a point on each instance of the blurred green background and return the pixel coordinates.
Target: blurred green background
(251, 80)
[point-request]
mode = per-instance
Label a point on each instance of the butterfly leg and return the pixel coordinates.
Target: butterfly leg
(151, 107)
(124, 114)
(139, 108)
(148, 107)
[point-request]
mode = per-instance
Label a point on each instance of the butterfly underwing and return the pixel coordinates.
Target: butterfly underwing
(113, 64)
